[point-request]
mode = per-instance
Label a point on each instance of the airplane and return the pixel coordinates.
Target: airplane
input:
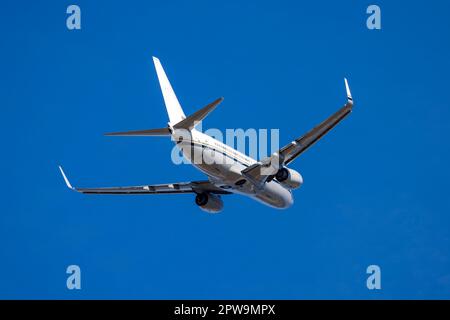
(268, 181)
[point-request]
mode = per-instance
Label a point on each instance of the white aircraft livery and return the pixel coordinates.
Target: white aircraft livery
(229, 171)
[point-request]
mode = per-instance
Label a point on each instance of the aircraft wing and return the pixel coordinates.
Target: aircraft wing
(264, 170)
(181, 187)
(291, 151)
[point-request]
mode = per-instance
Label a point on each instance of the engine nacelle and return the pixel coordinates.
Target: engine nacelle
(209, 202)
(289, 178)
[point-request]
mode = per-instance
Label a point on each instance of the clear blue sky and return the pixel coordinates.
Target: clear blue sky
(376, 188)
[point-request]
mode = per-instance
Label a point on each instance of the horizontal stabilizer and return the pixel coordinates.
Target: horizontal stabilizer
(142, 133)
(191, 121)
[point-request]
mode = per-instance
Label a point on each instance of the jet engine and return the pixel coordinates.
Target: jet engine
(209, 202)
(289, 178)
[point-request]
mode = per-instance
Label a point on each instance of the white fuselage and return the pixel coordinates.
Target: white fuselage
(223, 165)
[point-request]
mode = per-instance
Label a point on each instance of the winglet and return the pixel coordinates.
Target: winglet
(349, 94)
(65, 179)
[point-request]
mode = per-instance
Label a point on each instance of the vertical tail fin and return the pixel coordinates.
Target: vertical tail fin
(173, 107)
